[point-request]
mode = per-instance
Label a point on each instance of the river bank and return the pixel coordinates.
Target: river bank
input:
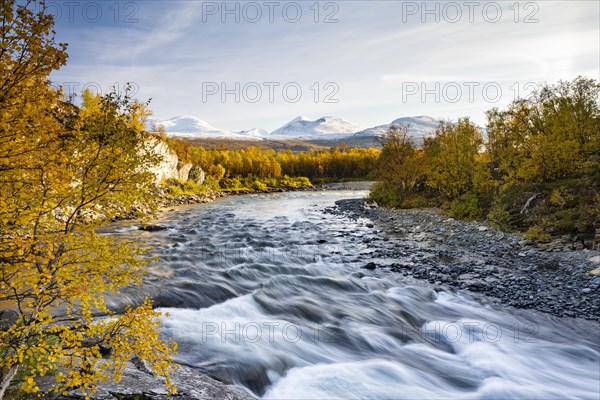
(475, 257)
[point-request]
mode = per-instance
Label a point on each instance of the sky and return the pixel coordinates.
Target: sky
(259, 64)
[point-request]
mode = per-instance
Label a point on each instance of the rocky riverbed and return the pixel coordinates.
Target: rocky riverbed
(425, 245)
(387, 301)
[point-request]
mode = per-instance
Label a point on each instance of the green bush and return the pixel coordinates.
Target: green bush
(385, 194)
(258, 185)
(537, 234)
(178, 188)
(466, 207)
(212, 183)
(417, 200)
(231, 184)
(500, 217)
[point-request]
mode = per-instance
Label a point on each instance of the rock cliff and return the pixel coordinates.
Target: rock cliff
(170, 167)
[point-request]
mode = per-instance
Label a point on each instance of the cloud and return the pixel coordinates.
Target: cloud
(368, 54)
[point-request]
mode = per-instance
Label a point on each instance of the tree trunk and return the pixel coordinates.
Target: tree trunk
(529, 200)
(6, 380)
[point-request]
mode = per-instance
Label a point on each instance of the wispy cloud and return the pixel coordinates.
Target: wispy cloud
(173, 52)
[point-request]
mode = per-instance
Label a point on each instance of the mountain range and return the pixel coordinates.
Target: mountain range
(326, 128)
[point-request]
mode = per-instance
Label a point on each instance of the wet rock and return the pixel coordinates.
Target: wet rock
(370, 266)
(152, 228)
(477, 286)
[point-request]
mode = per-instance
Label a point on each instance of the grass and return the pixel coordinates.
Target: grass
(177, 188)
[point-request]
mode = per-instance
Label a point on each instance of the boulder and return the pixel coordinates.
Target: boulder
(184, 172)
(197, 174)
(595, 272)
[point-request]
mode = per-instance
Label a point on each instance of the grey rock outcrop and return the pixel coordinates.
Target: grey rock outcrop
(167, 168)
(197, 174)
(139, 383)
(184, 172)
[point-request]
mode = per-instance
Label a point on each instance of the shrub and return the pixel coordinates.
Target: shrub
(466, 207)
(417, 200)
(231, 183)
(258, 185)
(178, 188)
(559, 197)
(385, 194)
(537, 234)
(212, 183)
(500, 217)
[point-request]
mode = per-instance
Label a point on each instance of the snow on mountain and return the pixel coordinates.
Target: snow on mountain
(192, 127)
(322, 128)
(325, 128)
(418, 127)
(255, 133)
(421, 126)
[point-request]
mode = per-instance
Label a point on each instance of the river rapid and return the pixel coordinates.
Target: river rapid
(269, 292)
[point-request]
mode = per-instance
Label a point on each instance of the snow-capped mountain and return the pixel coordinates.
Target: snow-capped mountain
(192, 127)
(255, 133)
(329, 128)
(322, 128)
(418, 127)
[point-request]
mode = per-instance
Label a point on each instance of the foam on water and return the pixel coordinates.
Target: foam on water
(267, 292)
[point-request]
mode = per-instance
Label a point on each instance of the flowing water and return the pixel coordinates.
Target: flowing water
(267, 292)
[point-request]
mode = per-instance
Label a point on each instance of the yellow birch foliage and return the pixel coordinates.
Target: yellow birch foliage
(59, 172)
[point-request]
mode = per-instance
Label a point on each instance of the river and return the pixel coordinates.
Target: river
(268, 292)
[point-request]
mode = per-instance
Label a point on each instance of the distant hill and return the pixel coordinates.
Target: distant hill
(418, 128)
(322, 128)
(195, 128)
(299, 133)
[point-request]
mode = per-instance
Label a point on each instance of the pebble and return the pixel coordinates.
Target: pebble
(502, 266)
